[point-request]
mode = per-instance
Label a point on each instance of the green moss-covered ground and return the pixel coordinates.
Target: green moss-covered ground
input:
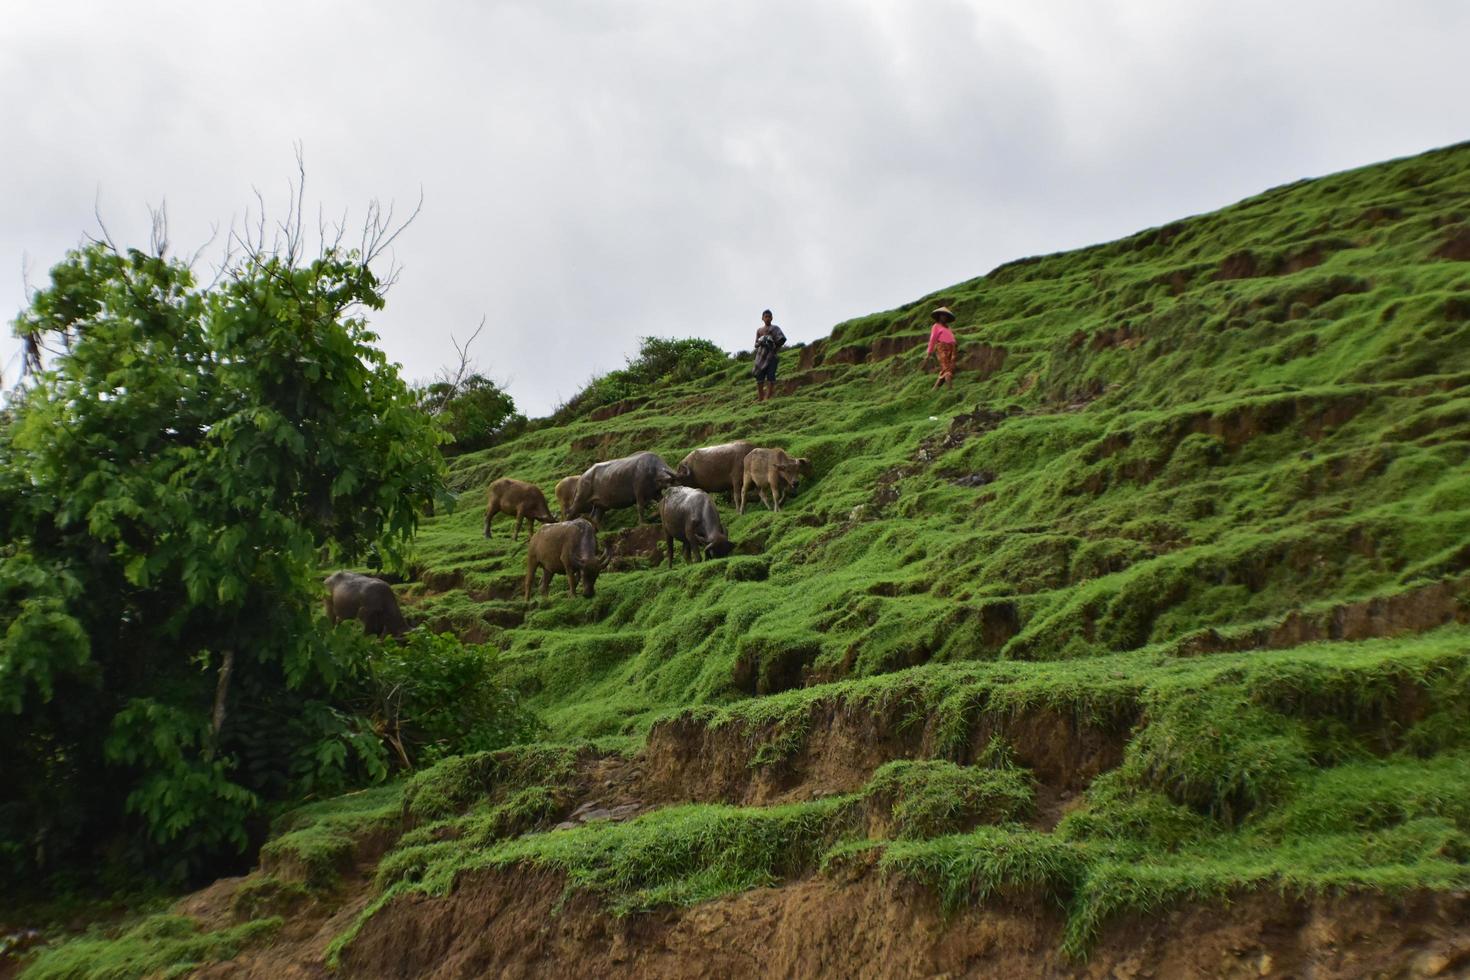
(1207, 487)
(1212, 480)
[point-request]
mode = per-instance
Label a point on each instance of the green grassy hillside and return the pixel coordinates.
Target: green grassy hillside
(1165, 600)
(1205, 490)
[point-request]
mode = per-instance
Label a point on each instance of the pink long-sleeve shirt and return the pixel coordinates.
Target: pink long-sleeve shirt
(940, 334)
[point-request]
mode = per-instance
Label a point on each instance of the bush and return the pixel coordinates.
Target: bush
(432, 697)
(661, 361)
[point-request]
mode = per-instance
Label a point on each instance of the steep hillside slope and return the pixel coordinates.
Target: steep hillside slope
(1162, 607)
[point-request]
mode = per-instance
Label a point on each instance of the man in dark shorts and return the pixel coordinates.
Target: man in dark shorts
(768, 343)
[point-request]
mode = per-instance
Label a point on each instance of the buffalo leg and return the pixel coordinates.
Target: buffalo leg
(571, 583)
(530, 577)
(670, 538)
(489, 519)
(545, 582)
(516, 533)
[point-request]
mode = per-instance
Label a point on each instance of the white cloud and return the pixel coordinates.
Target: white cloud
(595, 171)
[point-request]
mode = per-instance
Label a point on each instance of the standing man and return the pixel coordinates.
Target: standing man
(768, 343)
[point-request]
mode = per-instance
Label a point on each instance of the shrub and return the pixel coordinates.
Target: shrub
(431, 697)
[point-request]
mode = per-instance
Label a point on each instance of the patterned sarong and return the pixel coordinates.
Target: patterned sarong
(946, 361)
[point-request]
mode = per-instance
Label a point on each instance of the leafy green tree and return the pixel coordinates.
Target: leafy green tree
(472, 410)
(169, 485)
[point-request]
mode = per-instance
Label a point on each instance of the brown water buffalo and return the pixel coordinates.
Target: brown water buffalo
(633, 481)
(362, 597)
(717, 469)
(570, 547)
(689, 515)
(774, 470)
(566, 492)
(524, 500)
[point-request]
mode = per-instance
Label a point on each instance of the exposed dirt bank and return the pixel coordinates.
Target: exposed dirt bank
(515, 924)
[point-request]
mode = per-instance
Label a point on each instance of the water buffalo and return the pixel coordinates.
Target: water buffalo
(690, 516)
(570, 547)
(715, 468)
(774, 470)
(566, 492)
(362, 597)
(633, 481)
(524, 500)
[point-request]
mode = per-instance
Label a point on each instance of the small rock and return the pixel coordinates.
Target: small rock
(597, 814)
(625, 811)
(1264, 966)
(566, 825)
(589, 805)
(1432, 965)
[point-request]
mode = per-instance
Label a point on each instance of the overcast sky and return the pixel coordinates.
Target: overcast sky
(596, 170)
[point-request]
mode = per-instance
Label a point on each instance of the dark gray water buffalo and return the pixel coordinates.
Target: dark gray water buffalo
(362, 597)
(772, 470)
(566, 492)
(689, 515)
(570, 547)
(633, 481)
(523, 500)
(718, 469)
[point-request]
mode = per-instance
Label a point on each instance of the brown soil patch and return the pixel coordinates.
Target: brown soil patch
(1379, 215)
(1238, 265)
(839, 747)
(1414, 611)
(443, 581)
(851, 354)
(811, 355)
(605, 445)
(790, 385)
(1237, 426)
(1455, 247)
(983, 360)
(632, 545)
(886, 347)
(617, 408)
(1246, 264)
(519, 923)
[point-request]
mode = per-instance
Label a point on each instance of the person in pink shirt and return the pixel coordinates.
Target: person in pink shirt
(941, 339)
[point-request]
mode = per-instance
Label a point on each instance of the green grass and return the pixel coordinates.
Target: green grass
(159, 946)
(313, 844)
(1210, 497)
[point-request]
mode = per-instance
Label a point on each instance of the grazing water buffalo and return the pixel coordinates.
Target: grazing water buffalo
(774, 470)
(570, 547)
(715, 468)
(690, 516)
(362, 597)
(633, 481)
(524, 500)
(566, 492)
